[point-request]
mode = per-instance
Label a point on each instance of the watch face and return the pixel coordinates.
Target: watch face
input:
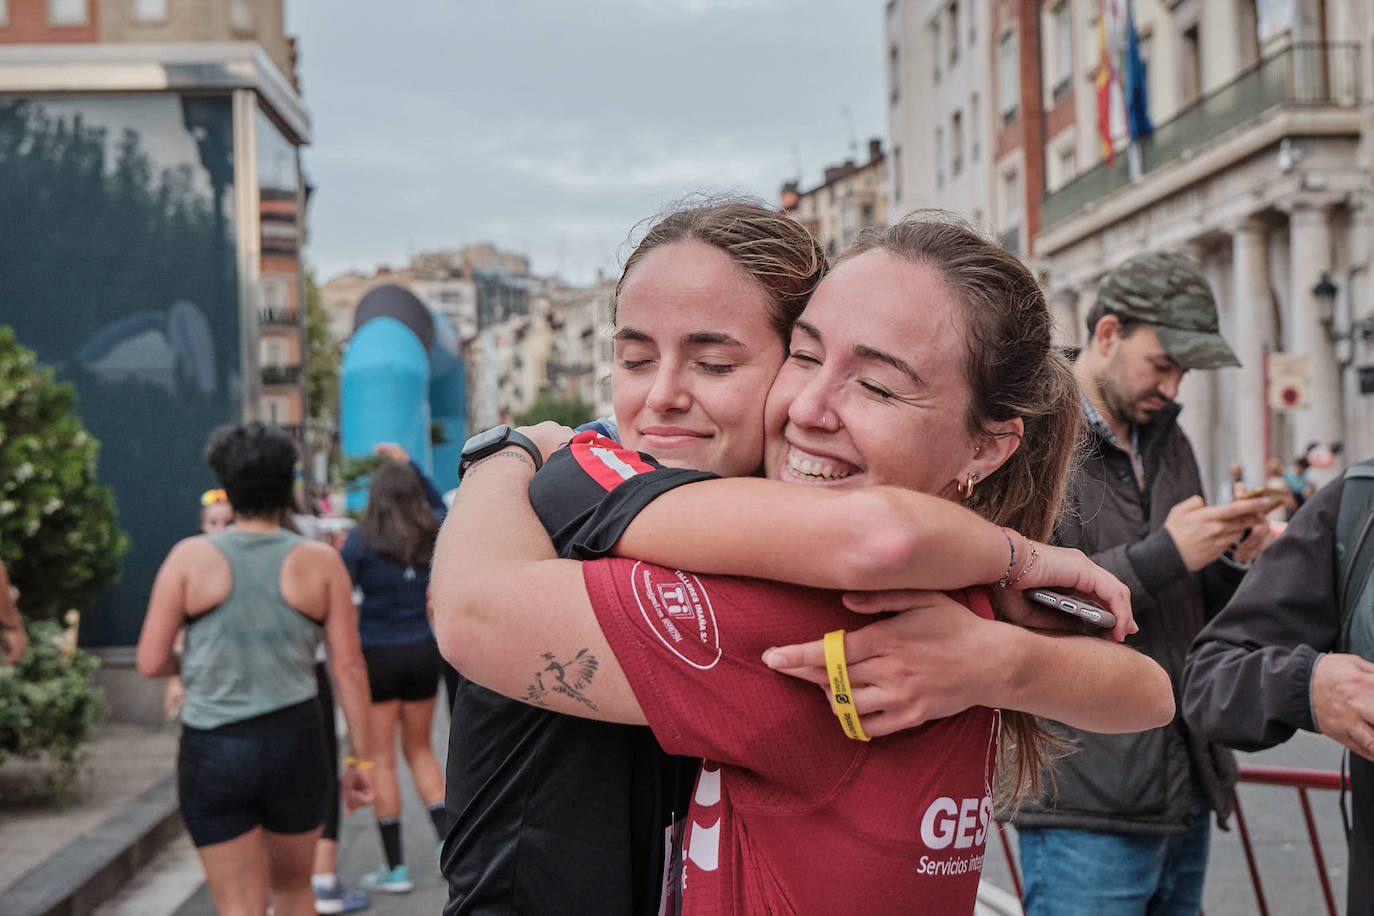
(480, 443)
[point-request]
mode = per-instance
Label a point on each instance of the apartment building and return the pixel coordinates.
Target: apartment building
(849, 199)
(159, 21)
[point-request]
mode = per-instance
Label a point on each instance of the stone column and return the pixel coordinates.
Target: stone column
(1250, 309)
(1310, 232)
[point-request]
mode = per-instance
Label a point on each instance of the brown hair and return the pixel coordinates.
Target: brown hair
(777, 251)
(399, 522)
(1013, 370)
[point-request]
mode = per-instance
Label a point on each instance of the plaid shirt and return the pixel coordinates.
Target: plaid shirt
(1102, 429)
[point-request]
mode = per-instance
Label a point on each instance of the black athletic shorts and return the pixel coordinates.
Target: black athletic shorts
(270, 771)
(407, 672)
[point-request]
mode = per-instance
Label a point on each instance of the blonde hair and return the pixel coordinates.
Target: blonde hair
(1013, 370)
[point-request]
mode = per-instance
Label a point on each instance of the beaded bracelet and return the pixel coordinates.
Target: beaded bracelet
(1035, 555)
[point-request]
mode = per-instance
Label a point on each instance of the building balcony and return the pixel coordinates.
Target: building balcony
(1303, 76)
(281, 375)
(279, 318)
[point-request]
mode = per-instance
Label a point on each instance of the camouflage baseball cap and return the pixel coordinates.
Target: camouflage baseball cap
(1168, 291)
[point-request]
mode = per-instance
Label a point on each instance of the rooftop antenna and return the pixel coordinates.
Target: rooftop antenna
(853, 134)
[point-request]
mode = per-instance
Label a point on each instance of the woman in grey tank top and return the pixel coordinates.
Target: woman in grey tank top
(256, 601)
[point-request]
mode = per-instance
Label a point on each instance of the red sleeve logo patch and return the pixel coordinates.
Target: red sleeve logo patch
(678, 610)
(605, 461)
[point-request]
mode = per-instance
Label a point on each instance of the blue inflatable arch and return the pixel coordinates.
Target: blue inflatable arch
(401, 373)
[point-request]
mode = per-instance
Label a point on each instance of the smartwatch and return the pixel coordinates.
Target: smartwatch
(488, 443)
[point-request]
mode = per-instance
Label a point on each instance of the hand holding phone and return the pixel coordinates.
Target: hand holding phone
(1270, 492)
(1072, 605)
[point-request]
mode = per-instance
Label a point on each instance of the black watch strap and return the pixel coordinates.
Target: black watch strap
(488, 443)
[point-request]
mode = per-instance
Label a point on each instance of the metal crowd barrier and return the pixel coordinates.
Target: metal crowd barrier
(1295, 778)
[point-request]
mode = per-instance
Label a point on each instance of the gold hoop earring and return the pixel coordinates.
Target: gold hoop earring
(966, 488)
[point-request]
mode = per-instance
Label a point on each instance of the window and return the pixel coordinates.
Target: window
(150, 10)
(896, 174)
(1063, 50)
(1011, 194)
(935, 48)
(275, 409)
(275, 292)
(4, 13)
(273, 351)
(975, 128)
(939, 157)
(956, 143)
(1008, 76)
(240, 16)
(972, 18)
(1190, 66)
(894, 73)
(67, 12)
(954, 33)
(1068, 165)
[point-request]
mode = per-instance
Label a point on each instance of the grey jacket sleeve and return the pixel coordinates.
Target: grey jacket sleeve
(1248, 678)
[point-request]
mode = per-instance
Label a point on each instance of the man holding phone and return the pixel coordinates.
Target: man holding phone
(1143, 801)
(1295, 649)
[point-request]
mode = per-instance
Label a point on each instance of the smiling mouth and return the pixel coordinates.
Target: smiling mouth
(804, 466)
(673, 435)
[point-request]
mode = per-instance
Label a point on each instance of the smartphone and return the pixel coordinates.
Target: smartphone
(1071, 605)
(1271, 492)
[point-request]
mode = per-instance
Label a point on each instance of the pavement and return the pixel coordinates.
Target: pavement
(115, 846)
(67, 856)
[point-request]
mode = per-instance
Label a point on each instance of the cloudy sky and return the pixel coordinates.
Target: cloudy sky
(551, 127)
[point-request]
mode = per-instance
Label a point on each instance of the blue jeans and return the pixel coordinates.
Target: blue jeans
(1084, 873)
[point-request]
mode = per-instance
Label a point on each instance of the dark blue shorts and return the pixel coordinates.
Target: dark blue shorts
(408, 672)
(270, 771)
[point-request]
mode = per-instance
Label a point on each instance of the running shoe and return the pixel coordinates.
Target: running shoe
(339, 899)
(390, 880)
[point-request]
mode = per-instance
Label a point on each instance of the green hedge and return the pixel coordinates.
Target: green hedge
(48, 703)
(58, 534)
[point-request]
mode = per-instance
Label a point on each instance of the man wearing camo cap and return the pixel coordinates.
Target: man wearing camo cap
(1125, 824)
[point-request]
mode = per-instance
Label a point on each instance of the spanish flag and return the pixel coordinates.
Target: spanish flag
(1103, 83)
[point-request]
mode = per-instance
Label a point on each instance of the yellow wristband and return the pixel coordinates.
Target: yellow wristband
(360, 764)
(839, 685)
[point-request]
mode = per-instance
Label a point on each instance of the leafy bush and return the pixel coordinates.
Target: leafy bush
(48, 703)
(550, 406)
(58, 535)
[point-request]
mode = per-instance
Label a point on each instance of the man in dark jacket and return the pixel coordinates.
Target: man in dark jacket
(1275, 660)
(1124, 824)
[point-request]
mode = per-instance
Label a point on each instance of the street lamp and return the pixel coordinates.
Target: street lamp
(1325, 295)
(1360, 328)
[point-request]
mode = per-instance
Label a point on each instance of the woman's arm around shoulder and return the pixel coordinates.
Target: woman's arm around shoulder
(509, 614)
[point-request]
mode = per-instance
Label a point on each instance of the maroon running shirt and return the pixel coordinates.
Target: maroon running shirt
(789, 814)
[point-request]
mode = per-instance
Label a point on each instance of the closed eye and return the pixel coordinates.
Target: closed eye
(880, 392)
(716, 368)
(634, 363)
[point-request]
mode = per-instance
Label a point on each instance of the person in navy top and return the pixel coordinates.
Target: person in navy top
(388, 556)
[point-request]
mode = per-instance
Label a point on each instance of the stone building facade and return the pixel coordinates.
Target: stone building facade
(1259, 166)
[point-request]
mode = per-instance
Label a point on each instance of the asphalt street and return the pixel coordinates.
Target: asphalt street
(1279, 834)
(1273, 814)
